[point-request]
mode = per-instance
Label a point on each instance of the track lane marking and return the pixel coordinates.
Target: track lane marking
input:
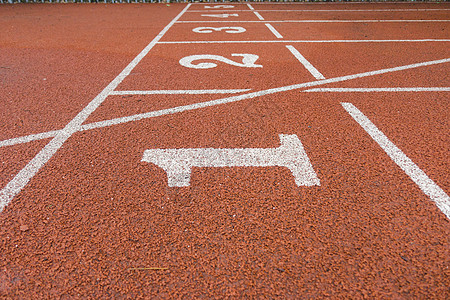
(369, 90)
(255, 12)
(24, 176)
(428, 186)
(121, 120)
(314, 72)
(307, 41)
(179, 92)
(274, 31)
(330, 10)
(320, 21)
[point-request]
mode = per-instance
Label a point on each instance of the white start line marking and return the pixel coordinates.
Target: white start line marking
(177, 163)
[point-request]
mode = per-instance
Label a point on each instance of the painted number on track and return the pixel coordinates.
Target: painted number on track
(219, 6)
(248, 61)
(221, 15)
(226, 29)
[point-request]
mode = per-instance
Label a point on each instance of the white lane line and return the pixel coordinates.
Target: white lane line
(250, 6)
(368, 90)
(330, 10)
(274, 31)
(24, 176)
(258, 15)
(314, 72)
(307, 41)
(321, 21)
(255, 12)
(195, 106)
(29, 138)
(232, 99)
(427, 185)
(179, 92)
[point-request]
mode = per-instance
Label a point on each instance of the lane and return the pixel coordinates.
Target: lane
(352, 15)
(363, 31)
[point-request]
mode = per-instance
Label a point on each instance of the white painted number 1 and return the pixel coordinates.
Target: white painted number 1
(226, 29)
(248, 61)
(219, 6)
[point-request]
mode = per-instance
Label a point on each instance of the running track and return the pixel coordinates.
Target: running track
(96, 98)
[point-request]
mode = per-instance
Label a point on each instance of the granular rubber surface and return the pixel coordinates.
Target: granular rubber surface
(96, 221)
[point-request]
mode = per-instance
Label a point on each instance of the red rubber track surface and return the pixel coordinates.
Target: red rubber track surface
(97, 222)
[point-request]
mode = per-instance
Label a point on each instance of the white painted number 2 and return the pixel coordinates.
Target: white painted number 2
(248, 61)
(226, 29)
(219, 6)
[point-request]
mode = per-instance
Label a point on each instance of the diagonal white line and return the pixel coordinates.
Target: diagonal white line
(314, 72)
(174, 110)
(274, 31)
(28, 172)
(427, 185)
(368, 90)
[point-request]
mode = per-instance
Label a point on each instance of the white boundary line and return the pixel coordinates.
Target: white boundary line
(321, 21)
(307, 41)
(24, 176)
(179, 92)
(152, 114)
(368, 90)
(274, 31)
(326, 10)
(427, 185)
(314, 72)
(255, 12)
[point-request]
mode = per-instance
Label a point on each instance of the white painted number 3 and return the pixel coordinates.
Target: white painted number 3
(226, 29)
(248, 61)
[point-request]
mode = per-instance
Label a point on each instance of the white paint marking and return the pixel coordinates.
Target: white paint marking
(24, 176)
(274, 31)
(427, 185)
(334, 10)
(255, 12)
(220, 16)
(178, 162)
(368, 90)
(29, 138)
(322, 21)
(226, 29)
(195, 106)
(307, 41)
(258, 15)
(218, 6)
(248, 61)
(306, 63)
(179, 92)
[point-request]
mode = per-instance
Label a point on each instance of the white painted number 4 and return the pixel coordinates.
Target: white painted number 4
(248, 61)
